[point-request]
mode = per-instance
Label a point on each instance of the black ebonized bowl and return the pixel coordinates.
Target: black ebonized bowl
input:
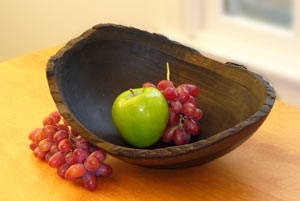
(88, 74)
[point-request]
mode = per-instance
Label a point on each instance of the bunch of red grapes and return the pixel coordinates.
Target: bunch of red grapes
(64, 149)
(183, 112)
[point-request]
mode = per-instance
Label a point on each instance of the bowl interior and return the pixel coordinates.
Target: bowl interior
(94, 75)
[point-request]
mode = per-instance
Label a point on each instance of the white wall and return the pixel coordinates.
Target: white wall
(31, 25)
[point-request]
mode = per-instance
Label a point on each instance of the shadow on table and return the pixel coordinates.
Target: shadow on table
(214, 179)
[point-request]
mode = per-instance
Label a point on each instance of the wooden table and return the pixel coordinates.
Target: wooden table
(266, 167)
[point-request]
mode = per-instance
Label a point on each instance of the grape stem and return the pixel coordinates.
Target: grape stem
(132, 92)
(72, 137)
(168, 72)
(181, 120)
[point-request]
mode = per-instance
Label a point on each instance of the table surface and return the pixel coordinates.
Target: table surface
(266, 167)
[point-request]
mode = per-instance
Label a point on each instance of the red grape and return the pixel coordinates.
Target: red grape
(62, 127)
(182, 110)
(39, 136)
(83, 145)
(65, 145)
(48, 156)
(56, 116)
(148, 84)
(173, 118)
(198, 114)
(54, 149)
(179, 136)
(59, 136)
(53, 144)
(80, 155)
(38, 153)
(91, 163)
(69, 177)
(99, 154)
(70, 159)
(57, 160)
(49, 130)
(183, 94)
(163, 84)
(74, 132)
(170, 93)
(89, 181)
(76, 170)
(176, 107)
(193, 90)
(188, 109)
(79, 138)
(183, 86)
(61, 170)
(33, 145)
(168, 135)
(187, 138)
(49, 121)
(193, 100)
(103, 171)
(191, 126)
(32, 134)
(45, 144)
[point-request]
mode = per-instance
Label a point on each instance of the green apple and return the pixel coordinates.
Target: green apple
(140, 116)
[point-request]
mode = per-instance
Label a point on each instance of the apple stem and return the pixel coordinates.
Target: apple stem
(132, 91)
(168, 72)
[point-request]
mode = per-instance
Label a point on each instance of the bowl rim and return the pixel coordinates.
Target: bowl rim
(127, 152)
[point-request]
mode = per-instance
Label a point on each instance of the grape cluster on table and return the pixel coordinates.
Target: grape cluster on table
(63, 148)
(184, 115)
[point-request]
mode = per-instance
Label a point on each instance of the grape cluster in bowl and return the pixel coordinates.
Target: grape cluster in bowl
(63, 148)
(184, 115)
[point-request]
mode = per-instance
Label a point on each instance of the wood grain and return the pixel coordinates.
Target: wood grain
(266, 167)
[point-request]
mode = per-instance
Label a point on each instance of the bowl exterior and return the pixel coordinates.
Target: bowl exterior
(199, 156)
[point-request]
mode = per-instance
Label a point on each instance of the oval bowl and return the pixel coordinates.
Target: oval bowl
(87, 75)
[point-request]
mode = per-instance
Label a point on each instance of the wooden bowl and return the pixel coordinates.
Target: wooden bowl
(88, 74)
